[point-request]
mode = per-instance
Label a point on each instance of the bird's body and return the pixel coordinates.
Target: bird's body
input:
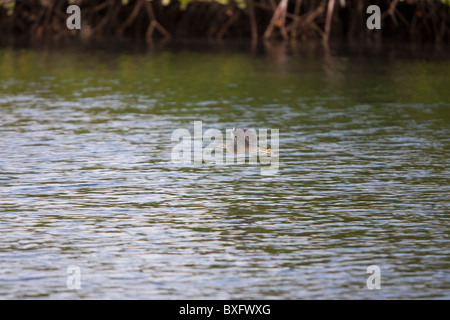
(245, 142)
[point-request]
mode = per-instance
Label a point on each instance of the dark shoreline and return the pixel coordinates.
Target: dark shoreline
(388, 50)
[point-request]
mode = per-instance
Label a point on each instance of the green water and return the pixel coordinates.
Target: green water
(87, 179)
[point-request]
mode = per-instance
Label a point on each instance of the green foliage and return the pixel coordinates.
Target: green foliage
(184, 3)
(9, 6)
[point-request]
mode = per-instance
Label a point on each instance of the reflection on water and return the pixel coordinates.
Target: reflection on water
(86, 177)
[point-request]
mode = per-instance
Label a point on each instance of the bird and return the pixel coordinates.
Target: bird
(250, 142)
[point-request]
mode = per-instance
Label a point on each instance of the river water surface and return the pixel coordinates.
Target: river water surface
(86, 177)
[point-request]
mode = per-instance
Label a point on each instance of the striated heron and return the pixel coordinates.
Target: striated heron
(250, 142)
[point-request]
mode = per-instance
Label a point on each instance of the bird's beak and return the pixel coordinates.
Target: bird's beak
(267, 151)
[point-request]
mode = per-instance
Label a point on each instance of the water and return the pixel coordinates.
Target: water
(86, 177)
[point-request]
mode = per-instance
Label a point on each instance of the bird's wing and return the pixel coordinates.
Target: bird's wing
(250, 136)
